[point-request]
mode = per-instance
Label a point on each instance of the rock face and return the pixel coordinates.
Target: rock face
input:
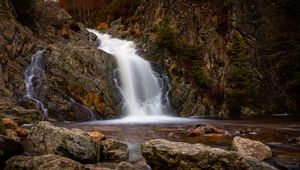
(78, 79)
(113, 150)
(164, 154)
(43, 162)
(193, 39)
(9, 148)
(248, 147)
(73, 143)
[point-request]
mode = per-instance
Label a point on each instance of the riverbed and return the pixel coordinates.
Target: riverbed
(278, 132)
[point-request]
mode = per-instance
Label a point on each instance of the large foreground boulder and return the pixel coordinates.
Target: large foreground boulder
(43, 162)
(73, 143)
(252, 148)
(164, 154)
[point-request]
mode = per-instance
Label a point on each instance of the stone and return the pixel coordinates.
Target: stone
(164, 154)
(248, 147)
(43, 162)
(9, 148)
(114, 150)
(202, 130)
(73, 143)
(12, 135)
(11, 124)
(125, 166)
(98, 136)
(100, 166)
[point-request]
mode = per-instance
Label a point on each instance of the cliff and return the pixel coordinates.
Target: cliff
(224, 58)
(76, 72)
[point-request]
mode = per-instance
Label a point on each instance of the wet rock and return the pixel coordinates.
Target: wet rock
(125, 166)
(43, 162)
(164, 154)
(9, 148)
(114, 150)
(92, 36)
(208, 129)
(96, 136)
(248, 147)
(73, 143)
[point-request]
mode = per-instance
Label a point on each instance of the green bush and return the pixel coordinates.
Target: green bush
(241, 87)
(166, 35)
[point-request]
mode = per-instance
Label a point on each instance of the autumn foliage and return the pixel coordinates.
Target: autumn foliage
(93, 12)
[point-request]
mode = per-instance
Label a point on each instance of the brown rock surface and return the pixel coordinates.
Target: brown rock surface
(98, 136)
(248, 147)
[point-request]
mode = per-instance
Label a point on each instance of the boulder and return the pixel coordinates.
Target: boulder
(100, 166)
(125, 166)
(9, 148)
(164, 154)
(98, 136)
(43, 162)
(11, 134)
(11, 124)
(248, 147)
(204, 130)
(113, 150)
(73, 143)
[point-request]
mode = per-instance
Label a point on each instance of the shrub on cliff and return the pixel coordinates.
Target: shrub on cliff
(167, 37)
(241, 85)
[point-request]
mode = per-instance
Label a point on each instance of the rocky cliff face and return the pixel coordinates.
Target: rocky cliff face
(224, 58)
(77, 74)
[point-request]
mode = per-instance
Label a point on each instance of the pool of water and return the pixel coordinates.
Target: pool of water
(277, 132)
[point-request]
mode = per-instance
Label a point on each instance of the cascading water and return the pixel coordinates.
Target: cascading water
(34, 75)
(143, 90)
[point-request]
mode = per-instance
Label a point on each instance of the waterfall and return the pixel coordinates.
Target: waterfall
(144, 90)
(34, 75)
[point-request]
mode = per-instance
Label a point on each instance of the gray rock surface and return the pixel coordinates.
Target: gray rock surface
(73, 143)
(114, 150)
(42, 162)
(164, 154)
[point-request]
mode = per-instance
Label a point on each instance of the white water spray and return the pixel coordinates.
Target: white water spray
(143, 90)
(34, 75)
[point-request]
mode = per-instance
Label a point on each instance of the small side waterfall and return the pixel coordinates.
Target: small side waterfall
(144, 91)
(34, 75)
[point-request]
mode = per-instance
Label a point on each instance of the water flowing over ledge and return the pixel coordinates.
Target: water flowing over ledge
(34, 75)
(143, 90)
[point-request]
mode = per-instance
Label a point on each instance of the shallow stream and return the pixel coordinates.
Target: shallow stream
(277, 132)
